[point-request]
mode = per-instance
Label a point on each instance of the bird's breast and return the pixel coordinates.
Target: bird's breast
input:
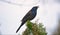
(34, 13)
(32, 16)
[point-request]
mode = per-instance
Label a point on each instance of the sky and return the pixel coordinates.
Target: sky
(12, 11)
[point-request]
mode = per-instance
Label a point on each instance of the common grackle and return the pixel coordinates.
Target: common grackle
(29, 16)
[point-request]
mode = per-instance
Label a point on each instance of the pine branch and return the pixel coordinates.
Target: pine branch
(34, 29)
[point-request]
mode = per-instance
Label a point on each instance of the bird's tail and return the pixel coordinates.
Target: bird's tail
(20, 27)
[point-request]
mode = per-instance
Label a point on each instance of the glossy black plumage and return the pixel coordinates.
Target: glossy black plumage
(29, 16)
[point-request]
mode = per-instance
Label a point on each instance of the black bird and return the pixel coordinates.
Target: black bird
(29, 16)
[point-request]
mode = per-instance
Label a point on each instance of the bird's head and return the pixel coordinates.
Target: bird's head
(36, 7)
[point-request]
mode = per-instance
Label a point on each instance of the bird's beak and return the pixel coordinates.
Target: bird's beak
(37, 6)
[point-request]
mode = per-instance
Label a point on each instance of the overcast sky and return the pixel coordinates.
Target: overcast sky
(12, 11)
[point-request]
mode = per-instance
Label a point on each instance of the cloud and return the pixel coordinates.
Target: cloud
(9, 2)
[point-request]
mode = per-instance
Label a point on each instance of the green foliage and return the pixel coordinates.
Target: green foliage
(29, 25)
(34, 29)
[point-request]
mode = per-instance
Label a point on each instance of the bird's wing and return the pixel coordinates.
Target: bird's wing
(26, 16)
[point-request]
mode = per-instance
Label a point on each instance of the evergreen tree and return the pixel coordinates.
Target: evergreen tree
(34, 29)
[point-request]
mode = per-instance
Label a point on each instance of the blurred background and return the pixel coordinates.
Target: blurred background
(12, 11)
